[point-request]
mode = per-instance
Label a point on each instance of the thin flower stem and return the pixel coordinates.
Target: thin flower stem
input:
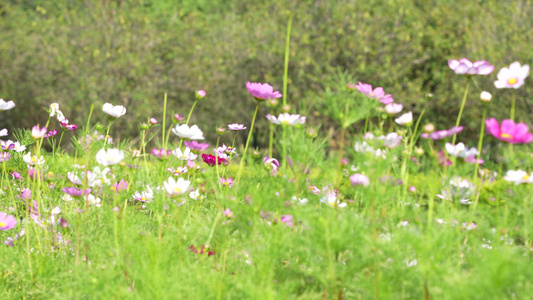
(188, 119)
(107, 132)
(284, 145)
(241, 165)
(163, 122)
(366, 124)
(341, 153)
(59, 144)
(480, 143)
(216, 162)
(271, 138)
(462, 108)
(513, 104)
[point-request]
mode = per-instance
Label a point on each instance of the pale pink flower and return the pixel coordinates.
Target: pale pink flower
(465, 66)
(512, 77)
(262, 91)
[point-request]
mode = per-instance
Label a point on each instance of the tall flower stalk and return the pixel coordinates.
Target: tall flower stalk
(468, 78)
(241, 164)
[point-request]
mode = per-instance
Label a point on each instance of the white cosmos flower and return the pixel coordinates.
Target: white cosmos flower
(185, 155)
(115, 111)
(518, 177)
(3, 132)
(512, 77)
(391, 140)
(33, 160)
(94, 201)
(195, 195)
(393, 108)
(144, 196)
(6, 105)
(54, 108)
(460, 150)
(186, 132)
(109, 157)
(286, 119)
(176, 187)
(405, 119)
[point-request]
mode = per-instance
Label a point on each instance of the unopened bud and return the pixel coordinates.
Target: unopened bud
(177, 118)
(485, 96)
(256, 153)
(221, 130)
(351, 86)
(272, 102)
(145, 126)
(429, 128)
(286, 108)
(200, 94)
(311, 132)
(419, 151)
(153, 121)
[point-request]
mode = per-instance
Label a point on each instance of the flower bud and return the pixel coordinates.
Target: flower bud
(256, 153)
(145, 126)
(429, 96)
(429, 128)
(419, 151)
(485, 96)
(412, 189)
(177, 118)
(286, 108)
(351, 86)
(221, 130)
(200, 94)
(272, 102)
(153, 121)
(311, 132)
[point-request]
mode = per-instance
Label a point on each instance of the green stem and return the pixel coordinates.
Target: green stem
(341, 153)
(513, 103)
(188, 119)
(107, 132)
(216, 162)
(271, 138)
(59, 144)
(285, 82)
(480, 142)
(163, 122)
(241, 165)
(462, 108)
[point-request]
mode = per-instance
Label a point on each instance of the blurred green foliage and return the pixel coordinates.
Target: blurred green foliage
(131, 52)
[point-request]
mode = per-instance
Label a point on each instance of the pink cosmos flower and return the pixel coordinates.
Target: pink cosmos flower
(161, 153)
(212, 160)
(195, 146)
(262, 91)
(228, 213)
(359, 179)
(465, 66)
(509, 131)
(512, 77)
(473, 160)
(443, 160)
(377, 93)
(287, 219)
(7, 221)
(120, 186)
(272, 164)
(441, 134)
(236, 126)
(65, 125)
(227, 181)
(4, 157)
(74, 191)
(393, 108)
(37, 132)
(50, 134)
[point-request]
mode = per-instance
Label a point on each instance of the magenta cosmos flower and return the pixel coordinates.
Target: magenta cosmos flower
(7, 222)
(262, 91)
(441, 134)
(465, 66)
(509, 131)
(211, 159)
(378, 93)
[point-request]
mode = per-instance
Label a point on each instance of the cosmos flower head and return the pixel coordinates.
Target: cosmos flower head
(114, 111)
(512, 77)
(176, 187)
(185, 154)
(195, 146)
(377, 93)
(236, 126)
(442, 134)
(509, 131)
(190, 133)
(465, 66)
(212, 160)
(6, 105)
(286, 119)
(518, 176)
(109, 157)
(262, 91)
(7, 221)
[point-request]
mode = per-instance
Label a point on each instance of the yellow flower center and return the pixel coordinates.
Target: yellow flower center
(33, 159)
(142, 198)
(285, 122)
(506, 135)
(512, 81)
(2, 224)
(526, 177)
(225, 183)
(177, 190)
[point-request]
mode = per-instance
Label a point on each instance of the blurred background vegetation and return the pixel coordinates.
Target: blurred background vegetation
(131, 52)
